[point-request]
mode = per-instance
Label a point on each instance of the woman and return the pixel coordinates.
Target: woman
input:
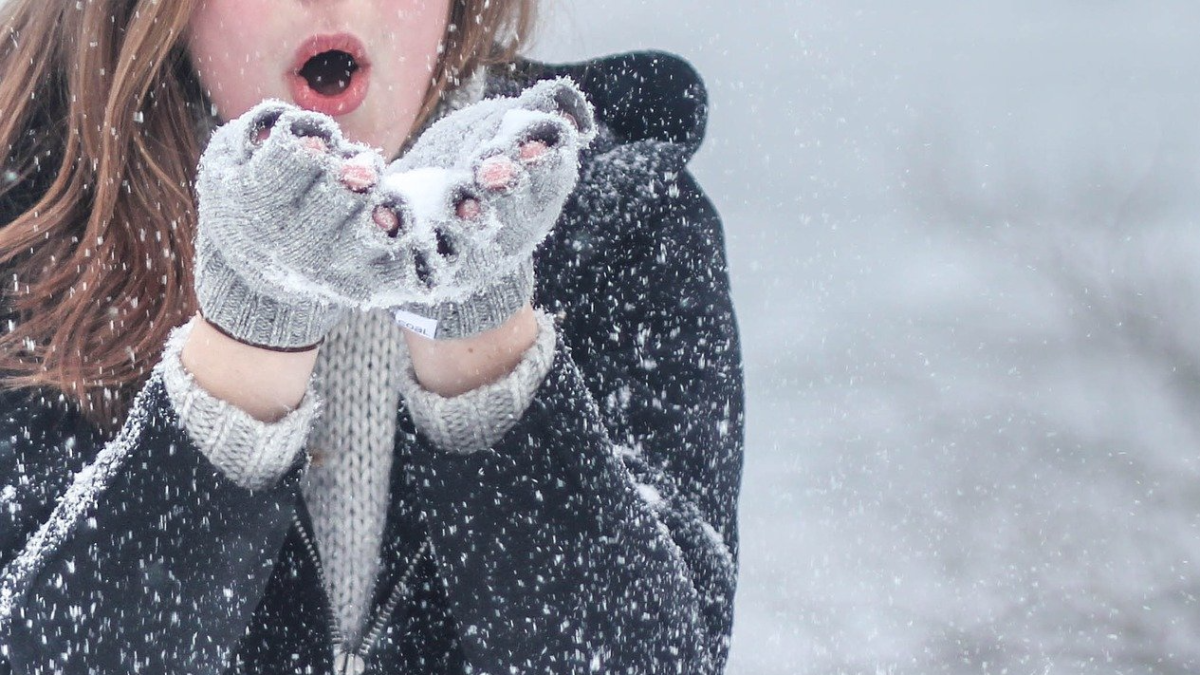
(579, 515)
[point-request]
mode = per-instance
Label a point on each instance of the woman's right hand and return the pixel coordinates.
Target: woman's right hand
(287, 238)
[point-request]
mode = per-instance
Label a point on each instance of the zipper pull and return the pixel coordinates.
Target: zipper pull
(348, 663)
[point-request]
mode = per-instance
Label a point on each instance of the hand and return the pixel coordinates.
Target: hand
(286, 242)
(474, 196)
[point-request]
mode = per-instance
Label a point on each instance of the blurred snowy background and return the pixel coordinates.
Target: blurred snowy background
(965, 253)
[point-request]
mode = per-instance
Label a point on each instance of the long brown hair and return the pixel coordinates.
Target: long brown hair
(98, 111)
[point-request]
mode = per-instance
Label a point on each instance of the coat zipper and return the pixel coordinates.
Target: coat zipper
(350, 660)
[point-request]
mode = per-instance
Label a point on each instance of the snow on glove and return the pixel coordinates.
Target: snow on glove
(286, 240)
(479, 190)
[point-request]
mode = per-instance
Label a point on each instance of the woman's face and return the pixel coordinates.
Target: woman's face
(367, 63)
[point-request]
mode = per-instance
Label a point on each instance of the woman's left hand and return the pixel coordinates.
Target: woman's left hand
(476, 194)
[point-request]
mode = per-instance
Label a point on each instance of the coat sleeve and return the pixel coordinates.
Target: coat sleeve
(599, 534)
(132, 555)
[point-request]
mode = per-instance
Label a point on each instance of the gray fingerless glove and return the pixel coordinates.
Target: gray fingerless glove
(483, 187)
(287, 239)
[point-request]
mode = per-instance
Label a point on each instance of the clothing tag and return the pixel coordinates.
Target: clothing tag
(416, 323)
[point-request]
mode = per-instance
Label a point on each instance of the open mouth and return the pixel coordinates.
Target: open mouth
(330, 74)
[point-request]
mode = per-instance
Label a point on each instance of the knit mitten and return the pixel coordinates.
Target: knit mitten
(476, 194)
(285, 242)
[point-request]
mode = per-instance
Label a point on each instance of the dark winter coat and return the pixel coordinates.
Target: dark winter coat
(599, 535)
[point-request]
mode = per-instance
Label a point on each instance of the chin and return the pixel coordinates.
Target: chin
(374, 138)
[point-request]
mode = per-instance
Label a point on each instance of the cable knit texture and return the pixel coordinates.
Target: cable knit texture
(251, 453)
(479, 418)
(346, 486)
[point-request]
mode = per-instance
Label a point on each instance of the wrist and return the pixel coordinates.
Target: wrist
(455, 366)
(264, 383)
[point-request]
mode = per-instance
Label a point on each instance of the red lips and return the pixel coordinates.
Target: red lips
(337, 65)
